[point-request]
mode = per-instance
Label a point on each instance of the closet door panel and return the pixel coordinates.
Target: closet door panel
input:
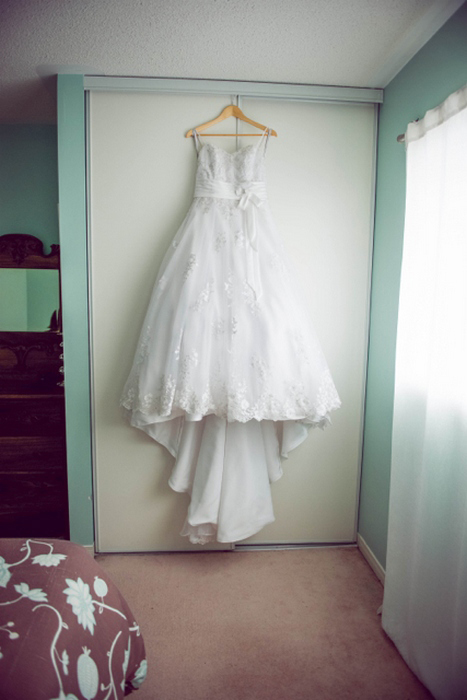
(141, 177)
(320, 186)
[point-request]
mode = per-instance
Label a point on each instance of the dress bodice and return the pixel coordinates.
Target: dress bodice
(244, 165)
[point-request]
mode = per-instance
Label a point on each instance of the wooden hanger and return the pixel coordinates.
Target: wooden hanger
(230, 111)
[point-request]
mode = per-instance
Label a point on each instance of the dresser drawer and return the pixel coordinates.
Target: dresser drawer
(49, 523)
(32, 454)
(34, 505)
(41, 416)
(32, 493)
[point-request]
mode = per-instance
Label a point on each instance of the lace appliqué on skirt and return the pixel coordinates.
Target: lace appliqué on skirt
(234, 402)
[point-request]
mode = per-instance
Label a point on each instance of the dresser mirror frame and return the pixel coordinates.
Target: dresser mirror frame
(22, 251)
(33, 465)
(25, 252)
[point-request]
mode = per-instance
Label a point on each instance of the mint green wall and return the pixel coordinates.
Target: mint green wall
(28, 299)
(13, 297)
(42, 297)
(438, 69)
(28, 181)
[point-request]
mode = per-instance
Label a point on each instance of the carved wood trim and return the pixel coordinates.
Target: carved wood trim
(22, 343)
(30, 361)
(20, 250)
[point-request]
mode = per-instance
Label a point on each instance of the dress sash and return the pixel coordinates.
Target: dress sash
(250, 196)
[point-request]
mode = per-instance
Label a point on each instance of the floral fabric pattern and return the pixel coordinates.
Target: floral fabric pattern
(66, 633)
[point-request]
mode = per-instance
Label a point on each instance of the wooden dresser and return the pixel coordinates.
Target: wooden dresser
(33, 477)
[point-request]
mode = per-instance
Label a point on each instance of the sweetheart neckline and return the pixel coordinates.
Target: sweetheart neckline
(234, 153)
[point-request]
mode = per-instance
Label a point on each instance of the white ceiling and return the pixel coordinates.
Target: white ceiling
(361, 43)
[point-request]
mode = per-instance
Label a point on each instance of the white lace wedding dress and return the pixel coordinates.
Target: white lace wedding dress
(228, 375)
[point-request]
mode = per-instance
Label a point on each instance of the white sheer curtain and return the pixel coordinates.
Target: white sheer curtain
(425, 599)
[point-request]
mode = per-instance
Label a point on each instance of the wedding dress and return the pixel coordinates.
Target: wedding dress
(228, 375)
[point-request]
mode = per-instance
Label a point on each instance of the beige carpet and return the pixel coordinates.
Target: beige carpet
(252, 625)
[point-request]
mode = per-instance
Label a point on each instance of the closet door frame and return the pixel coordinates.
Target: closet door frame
(73, 145)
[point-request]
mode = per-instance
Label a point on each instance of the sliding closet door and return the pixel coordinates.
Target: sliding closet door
(320, 185)
(141, 172)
